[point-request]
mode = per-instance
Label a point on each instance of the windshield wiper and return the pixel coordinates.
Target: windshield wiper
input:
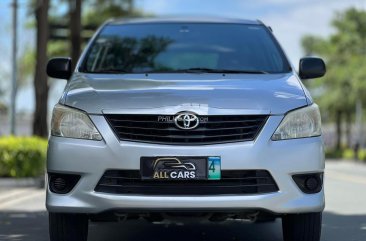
(209, 70)
(109, 71)
(188, 70)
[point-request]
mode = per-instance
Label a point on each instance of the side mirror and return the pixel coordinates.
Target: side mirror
(311, 67)
(59, 68)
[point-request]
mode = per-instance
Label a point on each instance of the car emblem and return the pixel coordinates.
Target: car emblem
(186, 121)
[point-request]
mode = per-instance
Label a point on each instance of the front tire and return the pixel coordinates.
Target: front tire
(302, 227)
(68, 227)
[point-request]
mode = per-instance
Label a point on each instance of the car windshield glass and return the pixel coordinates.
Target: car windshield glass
(188, 47)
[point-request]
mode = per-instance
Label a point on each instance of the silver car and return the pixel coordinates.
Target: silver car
(164, 118)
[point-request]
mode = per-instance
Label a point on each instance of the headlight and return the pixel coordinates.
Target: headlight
(72, 123)
(304, 122)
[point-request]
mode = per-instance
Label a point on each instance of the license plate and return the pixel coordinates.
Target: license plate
(180, 168)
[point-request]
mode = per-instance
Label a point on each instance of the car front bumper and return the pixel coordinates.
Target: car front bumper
(91, 159)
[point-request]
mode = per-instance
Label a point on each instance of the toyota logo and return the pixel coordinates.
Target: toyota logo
(186, 121)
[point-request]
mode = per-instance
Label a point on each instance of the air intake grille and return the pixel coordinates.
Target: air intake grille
(239, 182)
(211, 129)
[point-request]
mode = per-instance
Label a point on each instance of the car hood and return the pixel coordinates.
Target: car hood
(171, 93)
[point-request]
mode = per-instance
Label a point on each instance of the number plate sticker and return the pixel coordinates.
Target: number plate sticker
(214, 168)
(180, 168)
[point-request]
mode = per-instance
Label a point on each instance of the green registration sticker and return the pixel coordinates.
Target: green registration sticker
(214, 168)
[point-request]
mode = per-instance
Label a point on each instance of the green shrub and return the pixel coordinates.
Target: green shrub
(333, 153)
(22, 156)
(362, 155)
(345, 153)
(348, 154)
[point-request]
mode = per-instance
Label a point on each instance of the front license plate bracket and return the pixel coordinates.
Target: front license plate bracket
(180, 168)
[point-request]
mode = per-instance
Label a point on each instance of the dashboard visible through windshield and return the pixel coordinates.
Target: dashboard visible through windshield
(184, 48)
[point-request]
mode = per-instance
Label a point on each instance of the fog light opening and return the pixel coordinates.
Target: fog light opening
(309, 183)
(62, 183)
(59, 184)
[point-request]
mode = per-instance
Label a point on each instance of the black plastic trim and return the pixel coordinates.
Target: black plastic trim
(300, 180)
(70, 181)
(233, 182)
(162, 132)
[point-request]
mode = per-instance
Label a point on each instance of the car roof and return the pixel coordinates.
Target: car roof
(194, 19)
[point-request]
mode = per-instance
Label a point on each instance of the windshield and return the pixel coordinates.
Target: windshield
(184, 47)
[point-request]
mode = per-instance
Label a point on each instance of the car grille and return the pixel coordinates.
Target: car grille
(217, 129)
(240, 182)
